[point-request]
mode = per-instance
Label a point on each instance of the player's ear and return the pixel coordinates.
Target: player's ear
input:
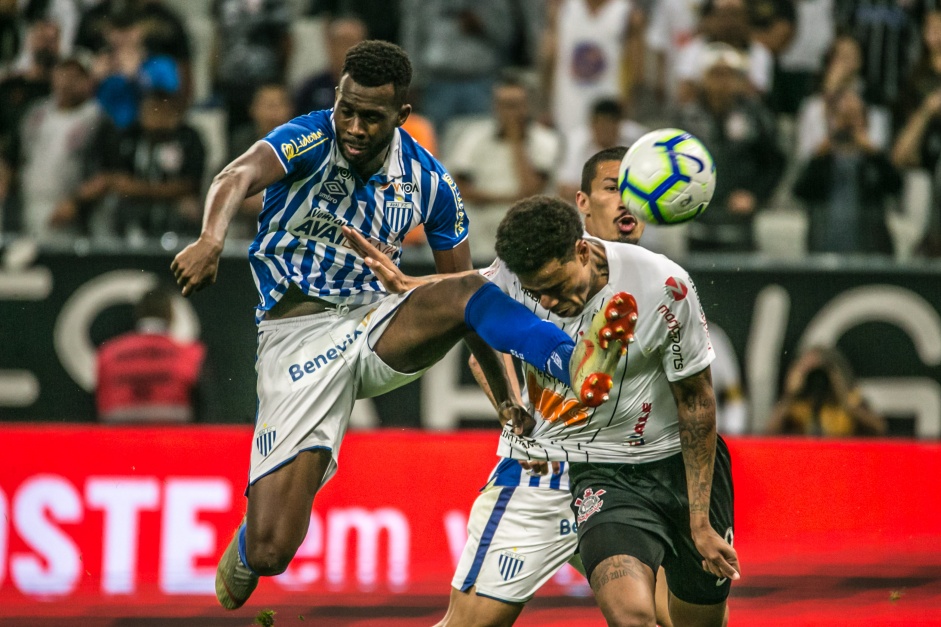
(581, 203)
(582, 251)
(404, 112)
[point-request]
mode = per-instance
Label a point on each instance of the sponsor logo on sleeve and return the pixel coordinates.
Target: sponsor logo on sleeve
(674, 335)
(299, 145)
(460, 220)
(676, 288)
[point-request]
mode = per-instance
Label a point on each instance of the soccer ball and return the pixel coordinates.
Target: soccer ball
(667, 177)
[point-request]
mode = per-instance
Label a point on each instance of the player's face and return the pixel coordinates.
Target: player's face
(606, 217)
(562, 287)
(366, 118)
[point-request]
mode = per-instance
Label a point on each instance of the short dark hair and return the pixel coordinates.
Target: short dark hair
(374, 63)
(157, 303)
(537, 230)
(590, 169)
(607, 106)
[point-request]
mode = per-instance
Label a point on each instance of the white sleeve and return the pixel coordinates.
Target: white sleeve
(498, 274)
(685, 349)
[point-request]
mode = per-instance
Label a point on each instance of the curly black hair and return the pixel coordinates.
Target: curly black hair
(615, 153)
(374, 63)
(537, 230)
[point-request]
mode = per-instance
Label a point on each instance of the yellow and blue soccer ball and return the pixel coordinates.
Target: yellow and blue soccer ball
(667, 177)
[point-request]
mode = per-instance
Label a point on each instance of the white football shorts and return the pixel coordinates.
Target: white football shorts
(517, 538)
(311, 369)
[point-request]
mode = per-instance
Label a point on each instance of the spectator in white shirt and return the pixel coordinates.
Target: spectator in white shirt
(500, 160)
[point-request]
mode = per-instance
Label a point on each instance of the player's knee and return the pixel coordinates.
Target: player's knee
(268, 558)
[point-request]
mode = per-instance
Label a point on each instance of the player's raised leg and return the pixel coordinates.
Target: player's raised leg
(438, 314)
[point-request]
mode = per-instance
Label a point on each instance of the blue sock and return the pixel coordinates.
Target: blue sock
(509, 327)
(242, 551)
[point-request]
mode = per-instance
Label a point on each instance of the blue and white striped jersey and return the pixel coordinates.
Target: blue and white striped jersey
(509, 473)
(299, 229)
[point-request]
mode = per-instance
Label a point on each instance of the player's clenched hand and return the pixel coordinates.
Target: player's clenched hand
(720, 557)
(394, 280)
(516, 417)
(196, 266)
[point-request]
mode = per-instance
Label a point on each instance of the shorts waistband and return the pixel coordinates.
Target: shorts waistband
(632, 465)
(305, 320)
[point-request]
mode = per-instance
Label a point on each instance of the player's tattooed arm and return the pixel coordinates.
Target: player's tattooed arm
(696, 407)
(696, 411)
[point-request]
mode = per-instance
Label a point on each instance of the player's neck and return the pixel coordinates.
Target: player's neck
(367, 171)
(599, 268)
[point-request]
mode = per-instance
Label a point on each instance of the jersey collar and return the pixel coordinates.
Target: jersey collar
(392, 168)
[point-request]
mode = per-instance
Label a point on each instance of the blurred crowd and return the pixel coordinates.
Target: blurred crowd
(115, 114)
(823, 117)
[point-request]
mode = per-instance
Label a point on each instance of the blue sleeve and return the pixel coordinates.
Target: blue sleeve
(302, 144)
(447, 224)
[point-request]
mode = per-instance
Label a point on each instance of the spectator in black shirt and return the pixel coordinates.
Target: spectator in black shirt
(740, 132)
(848, 183)
(887, 31)
(147, 183)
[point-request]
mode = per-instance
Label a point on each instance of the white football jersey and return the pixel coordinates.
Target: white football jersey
(639, 422)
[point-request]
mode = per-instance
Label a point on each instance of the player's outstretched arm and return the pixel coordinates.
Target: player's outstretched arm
(196, 266)
(696, 408)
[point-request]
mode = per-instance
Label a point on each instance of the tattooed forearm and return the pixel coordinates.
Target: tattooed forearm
(617, 567)
(696, 406)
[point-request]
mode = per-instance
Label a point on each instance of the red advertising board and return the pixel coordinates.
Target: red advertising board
(122, 517)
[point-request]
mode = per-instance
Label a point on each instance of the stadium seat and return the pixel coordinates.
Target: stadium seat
(781, 233)
(202, 34)
(309, 52)
(210, 123)
(907, 226)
